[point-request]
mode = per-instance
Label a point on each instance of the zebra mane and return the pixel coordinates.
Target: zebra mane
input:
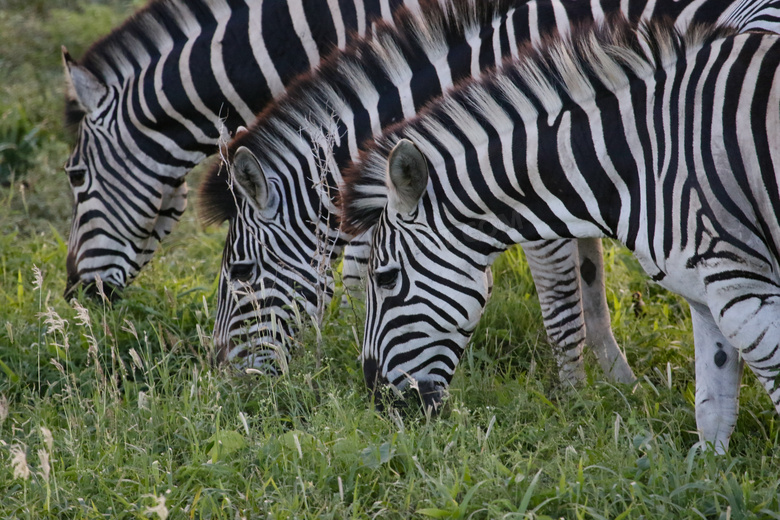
(305, 112)
(541, 81)
(137, 41)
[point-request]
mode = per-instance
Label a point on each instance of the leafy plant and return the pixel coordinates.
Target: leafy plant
(19, 141)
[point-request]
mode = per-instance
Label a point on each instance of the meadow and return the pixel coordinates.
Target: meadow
(117, 410)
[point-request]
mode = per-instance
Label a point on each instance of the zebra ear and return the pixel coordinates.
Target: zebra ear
(250, 178)
(407, 175)
(82, 86)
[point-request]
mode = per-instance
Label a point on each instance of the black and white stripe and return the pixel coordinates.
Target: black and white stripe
(155, 97)
(298, 146)
(667, 142)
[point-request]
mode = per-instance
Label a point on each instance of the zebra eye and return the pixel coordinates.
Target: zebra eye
(387, 279)
(77, 176)
(241, 272)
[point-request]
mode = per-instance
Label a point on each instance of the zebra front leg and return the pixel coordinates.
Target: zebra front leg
(718, 375)
(598, 325)
(553, 264)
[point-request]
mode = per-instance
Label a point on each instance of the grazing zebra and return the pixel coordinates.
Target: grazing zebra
(666, 141)
(280, 244)
(279, 247)
(154, 98)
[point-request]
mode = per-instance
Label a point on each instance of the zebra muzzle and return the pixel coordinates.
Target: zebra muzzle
(427, 396)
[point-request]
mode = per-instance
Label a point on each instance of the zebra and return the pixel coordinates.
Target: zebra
(154, 98)
(259, 282)
(665, 141)
(286, 169)
(158, 94)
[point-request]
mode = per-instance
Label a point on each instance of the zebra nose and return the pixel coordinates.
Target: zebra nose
(430, 395)
(73, 275)
(370, 372)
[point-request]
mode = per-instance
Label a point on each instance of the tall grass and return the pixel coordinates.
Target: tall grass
(116, 411)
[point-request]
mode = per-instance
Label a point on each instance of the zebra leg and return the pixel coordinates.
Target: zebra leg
(553, 264)
(746, 307)
(598, 325)
(718, 375)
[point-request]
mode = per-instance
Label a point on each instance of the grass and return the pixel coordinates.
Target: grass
(117, 412)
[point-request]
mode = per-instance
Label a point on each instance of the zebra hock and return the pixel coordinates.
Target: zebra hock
(286, 168)
(667, 142)
(157, 95)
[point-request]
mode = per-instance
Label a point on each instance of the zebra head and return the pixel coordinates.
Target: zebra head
(424, 297)
(119, 217)
(275, 269)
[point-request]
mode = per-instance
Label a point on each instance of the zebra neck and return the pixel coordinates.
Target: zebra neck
(322, 123)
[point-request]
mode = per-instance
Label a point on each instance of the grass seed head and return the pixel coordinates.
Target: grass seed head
(159, 508)
(43, 457)
(3, 409)
(82, 314)
(37, 278)
(48, 439)
(19, 462)
(53, 321)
